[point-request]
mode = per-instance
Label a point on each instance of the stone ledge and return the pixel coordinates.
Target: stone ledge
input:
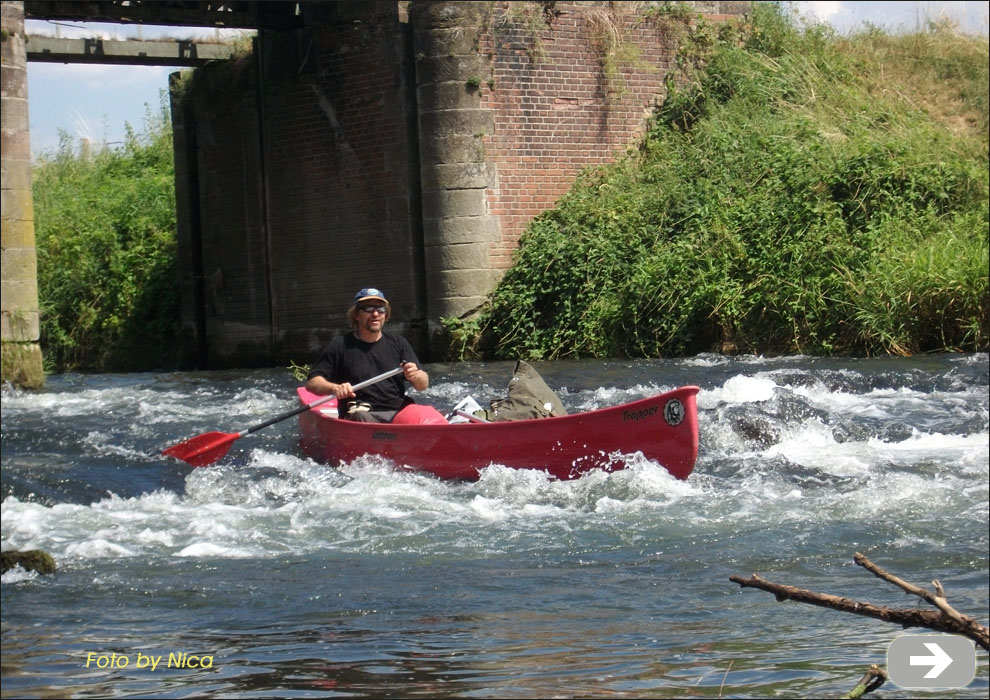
(457, 176)
(455, 230)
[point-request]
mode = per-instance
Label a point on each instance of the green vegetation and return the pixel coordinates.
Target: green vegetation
(797, 192)
(105, 235)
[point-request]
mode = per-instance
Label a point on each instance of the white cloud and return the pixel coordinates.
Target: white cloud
(821, 11)
(845, 17)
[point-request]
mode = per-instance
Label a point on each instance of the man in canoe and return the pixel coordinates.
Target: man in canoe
(364, 353)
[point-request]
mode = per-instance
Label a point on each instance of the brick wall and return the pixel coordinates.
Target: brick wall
(558, 110)
(300, 189)
(223, 251)
(341, 165)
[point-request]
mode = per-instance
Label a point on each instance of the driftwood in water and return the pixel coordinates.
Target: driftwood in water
(944, 619)
(870, 681)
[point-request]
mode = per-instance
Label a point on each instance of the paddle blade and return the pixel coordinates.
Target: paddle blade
(203, 449)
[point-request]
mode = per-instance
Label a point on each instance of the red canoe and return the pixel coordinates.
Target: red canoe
(663, 427)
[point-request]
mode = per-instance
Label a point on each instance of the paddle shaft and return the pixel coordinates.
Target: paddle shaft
(319, 402)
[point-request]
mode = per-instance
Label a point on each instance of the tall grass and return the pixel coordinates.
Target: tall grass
(797, 192)
(105, 235)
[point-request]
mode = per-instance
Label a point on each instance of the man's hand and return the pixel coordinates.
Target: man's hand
(415, 376)
(343, 391)
(322, 386)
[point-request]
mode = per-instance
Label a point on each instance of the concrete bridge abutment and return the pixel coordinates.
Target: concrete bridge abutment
(19, 318)
(458, 226)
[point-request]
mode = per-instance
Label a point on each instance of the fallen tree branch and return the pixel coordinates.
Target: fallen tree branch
(977, 631)
(870, 681)
(912, 617)
(945, 619)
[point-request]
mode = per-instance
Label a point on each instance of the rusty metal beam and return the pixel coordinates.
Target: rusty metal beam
(175, 52)
(246, 14)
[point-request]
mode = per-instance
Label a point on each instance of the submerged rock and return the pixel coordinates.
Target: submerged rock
(32, 560)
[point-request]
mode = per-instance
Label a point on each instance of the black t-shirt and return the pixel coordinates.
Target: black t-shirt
(347, 358)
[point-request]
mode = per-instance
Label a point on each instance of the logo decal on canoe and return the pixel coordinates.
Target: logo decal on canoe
(383, 435)
(673, 412)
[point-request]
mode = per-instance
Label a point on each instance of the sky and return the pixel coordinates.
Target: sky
(96, 101)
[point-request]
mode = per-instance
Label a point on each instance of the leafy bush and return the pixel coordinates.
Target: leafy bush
(105, 236)
(799, 193)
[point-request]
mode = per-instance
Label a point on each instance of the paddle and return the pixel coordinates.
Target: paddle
(209, 447)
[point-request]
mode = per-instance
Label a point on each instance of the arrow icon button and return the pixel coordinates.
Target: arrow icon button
(931, 661)
(939, 660)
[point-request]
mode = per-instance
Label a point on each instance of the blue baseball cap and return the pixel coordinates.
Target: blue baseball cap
(369, 293)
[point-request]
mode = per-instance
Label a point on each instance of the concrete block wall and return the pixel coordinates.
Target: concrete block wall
(19, 318)
(458, 227)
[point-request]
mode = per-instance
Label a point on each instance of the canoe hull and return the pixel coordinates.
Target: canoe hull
(663, 427)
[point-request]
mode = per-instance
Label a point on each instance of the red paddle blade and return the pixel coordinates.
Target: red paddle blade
(203, 449)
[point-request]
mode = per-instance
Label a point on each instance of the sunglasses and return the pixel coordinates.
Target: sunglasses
(372, 309)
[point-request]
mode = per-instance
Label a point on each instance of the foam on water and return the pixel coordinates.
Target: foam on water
(792, 452)
(739, 390)
(18, 575)
(281, 503)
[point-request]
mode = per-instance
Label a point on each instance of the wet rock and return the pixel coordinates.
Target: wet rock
(758, 430)
(31, 560)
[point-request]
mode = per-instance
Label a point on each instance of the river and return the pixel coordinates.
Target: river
(269, 575)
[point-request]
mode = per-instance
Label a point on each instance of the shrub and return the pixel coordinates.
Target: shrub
(105, 236)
